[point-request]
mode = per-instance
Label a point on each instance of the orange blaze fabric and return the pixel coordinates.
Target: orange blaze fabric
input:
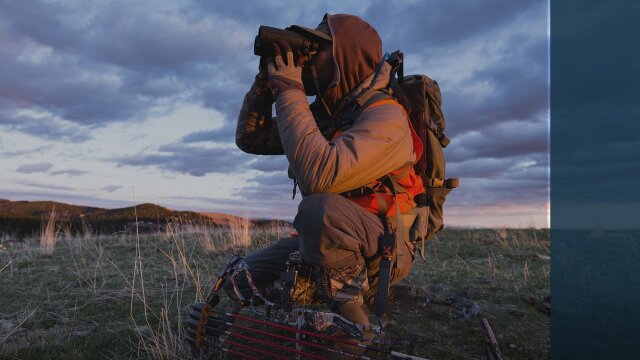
(411, 182)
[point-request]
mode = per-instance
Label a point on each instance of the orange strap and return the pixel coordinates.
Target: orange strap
(383, 102)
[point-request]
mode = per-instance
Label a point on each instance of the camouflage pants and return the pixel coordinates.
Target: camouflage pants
(339, 236)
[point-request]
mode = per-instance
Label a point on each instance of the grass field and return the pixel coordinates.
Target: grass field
(120, 297)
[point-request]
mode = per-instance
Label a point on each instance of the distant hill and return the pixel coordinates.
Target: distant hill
(221, 218)
(36, 209)
(228, 220)
(23, 218)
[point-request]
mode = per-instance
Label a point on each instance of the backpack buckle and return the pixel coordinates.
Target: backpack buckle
(396, 60)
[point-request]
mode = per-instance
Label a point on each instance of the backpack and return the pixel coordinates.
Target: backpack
(421, 98)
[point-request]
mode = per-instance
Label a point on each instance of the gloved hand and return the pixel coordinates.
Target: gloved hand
(283, 77)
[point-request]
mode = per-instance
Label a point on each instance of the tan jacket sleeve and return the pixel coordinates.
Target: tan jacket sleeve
(256, 132)
(379, 142)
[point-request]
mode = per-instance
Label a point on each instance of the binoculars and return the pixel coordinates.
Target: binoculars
(268, 35)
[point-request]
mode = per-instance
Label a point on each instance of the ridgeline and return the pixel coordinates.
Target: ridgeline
(27, 218)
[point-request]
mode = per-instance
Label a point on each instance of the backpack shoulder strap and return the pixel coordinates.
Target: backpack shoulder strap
(348, 117)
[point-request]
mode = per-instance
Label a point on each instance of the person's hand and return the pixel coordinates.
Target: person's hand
(284, 76)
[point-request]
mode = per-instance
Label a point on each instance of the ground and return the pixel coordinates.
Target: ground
(126, 296)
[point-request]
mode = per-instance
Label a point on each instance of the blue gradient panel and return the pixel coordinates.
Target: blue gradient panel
(595, 166)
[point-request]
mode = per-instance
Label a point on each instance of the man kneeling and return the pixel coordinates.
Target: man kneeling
(338, 158)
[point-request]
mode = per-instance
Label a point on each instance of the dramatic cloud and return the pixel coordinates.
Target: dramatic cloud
(78, 77)
(34, 168)
(94, 65)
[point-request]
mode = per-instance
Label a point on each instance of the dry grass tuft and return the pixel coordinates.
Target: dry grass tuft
(204, 238)
(87, 255)
(161, 334)
(49, 235)
(239, 230)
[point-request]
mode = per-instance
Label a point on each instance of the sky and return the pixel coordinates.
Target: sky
(114, 103)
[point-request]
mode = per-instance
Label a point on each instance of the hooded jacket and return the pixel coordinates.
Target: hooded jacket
(379, 142)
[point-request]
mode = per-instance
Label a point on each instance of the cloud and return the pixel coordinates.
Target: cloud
(134, 36)
(70, 172)
(431, 24)
(199, 160)
(268, 163)
(199, 136)
(192, 160)
(274, 186)
(34, 168)
(507, 139)
(489, 58)
(47, 186)
(66, 87)
(512, 89)
(36, 150)
(227, 98)
(42, 125)
(111, 188)
(225, 134)
(478, 192)
(270, 193)
(117, 63)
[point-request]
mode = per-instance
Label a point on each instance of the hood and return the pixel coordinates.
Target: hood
(381, 82)
(357, 51)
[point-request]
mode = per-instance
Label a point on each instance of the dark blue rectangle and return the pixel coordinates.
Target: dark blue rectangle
(595, 167)
(595, 291)
(595, 114)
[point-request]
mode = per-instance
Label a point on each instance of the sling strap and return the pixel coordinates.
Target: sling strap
(386, 249)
